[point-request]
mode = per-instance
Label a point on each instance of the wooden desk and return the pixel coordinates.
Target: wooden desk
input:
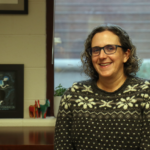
(26, 138)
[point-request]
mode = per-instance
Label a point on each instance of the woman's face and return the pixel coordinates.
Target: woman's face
(109, 65)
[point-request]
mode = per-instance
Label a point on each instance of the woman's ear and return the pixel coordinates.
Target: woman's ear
(126, 55)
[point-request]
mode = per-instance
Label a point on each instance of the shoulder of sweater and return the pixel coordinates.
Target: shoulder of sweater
(79, 84)
(84, 82)
(137, 84)
(139, 80)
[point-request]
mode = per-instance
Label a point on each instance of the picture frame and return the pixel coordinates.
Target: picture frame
(11, 90)
(13, 6)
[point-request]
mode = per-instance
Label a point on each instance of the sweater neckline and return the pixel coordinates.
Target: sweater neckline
(119, 90)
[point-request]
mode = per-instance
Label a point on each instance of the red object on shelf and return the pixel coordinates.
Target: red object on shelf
(33, 110)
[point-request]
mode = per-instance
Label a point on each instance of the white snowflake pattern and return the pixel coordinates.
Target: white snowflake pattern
(131, 88)
(145, 85)
(146, 104)
(126, 102)
(106, 104)
(74, 86)
(144, 95)
(66, 101)
(85, 102)
(87, 89)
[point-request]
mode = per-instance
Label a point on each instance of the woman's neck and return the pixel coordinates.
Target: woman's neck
(111, 84)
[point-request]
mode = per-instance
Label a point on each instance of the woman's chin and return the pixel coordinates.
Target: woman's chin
(106, 75)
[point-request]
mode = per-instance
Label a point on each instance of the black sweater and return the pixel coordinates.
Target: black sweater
(92, 119)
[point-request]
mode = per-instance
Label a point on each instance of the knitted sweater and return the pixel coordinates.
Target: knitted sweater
(92, 119)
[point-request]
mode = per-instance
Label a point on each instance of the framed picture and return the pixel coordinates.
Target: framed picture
(13, 6)
(11, 90)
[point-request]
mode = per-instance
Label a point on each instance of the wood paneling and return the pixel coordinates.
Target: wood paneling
(49, 55)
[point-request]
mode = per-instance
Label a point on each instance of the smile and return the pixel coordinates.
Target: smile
(105, 64)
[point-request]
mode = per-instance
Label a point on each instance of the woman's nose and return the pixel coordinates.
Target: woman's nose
(102, 54)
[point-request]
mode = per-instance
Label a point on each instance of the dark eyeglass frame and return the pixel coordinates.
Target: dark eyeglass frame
(100, 48)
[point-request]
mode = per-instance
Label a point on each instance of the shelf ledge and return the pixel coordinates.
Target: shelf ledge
(49, 121)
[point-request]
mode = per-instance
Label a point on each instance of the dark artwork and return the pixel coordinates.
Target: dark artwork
(7, 90)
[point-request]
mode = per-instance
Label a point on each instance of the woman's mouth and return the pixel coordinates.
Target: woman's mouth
(105, 64)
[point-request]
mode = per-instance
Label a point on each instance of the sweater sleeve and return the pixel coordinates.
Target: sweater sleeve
(63, 126)
(145, 133)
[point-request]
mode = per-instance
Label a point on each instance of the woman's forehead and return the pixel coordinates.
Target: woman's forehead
(104, 38)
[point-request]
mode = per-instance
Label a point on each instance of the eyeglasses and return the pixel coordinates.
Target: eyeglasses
(108, 49)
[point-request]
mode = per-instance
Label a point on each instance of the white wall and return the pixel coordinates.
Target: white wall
(23, 41)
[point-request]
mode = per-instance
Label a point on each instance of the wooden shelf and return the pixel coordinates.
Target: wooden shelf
(22, 138)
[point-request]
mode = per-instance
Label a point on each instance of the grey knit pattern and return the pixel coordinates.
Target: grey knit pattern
(92, 119)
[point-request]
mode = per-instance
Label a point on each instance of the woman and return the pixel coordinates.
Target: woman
(111, 111)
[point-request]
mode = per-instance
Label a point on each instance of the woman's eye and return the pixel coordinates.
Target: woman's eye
(95, 50)
(110, 47)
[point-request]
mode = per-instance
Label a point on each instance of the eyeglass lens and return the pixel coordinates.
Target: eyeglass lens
(108, 49)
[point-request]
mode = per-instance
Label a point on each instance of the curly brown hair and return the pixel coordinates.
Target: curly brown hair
(130, 67)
